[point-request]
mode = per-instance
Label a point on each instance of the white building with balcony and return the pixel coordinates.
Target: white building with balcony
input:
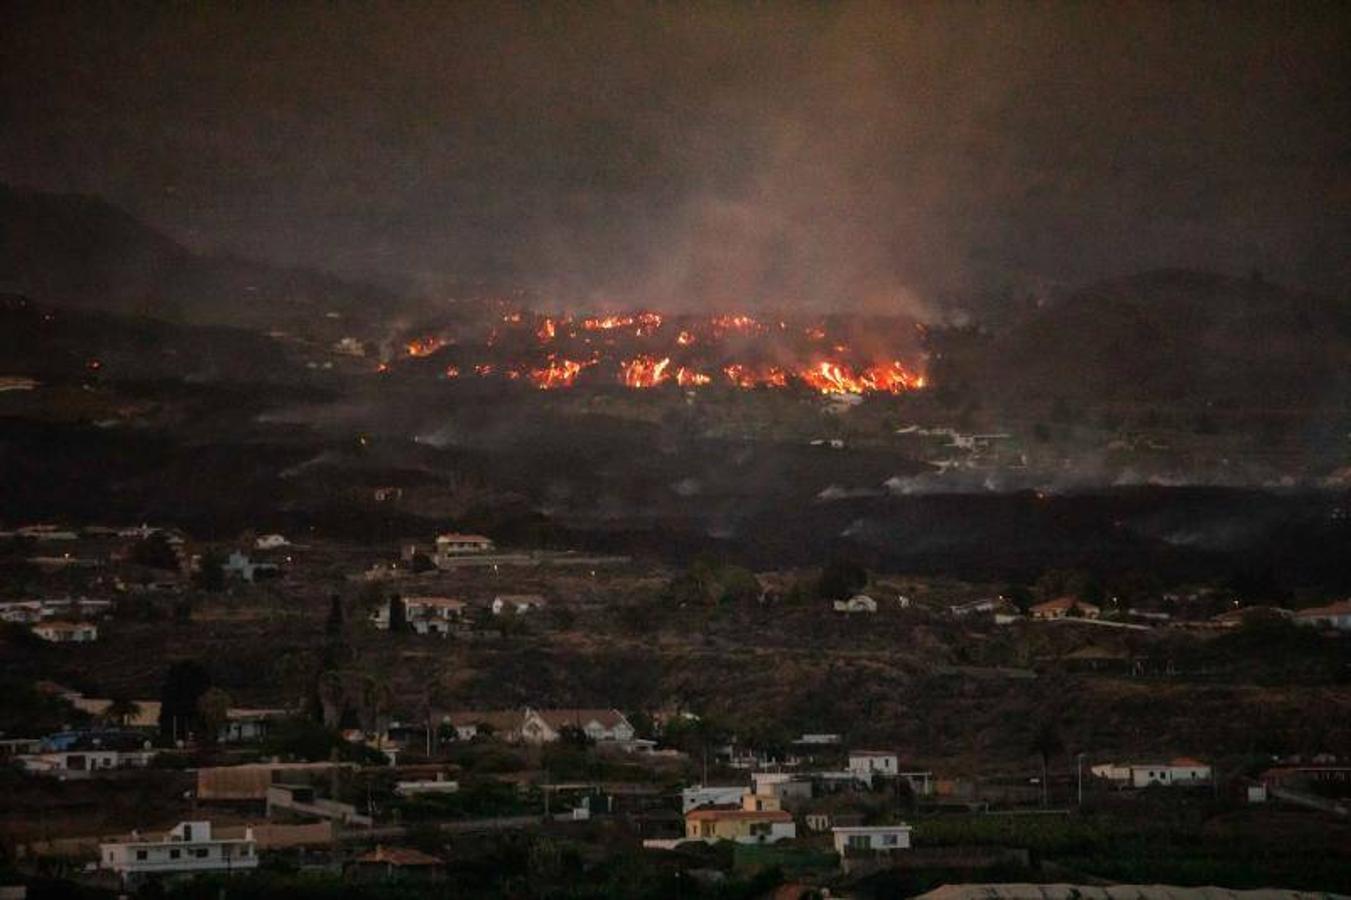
(189, 849)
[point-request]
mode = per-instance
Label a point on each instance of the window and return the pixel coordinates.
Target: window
(244, 851)
(141, 855)
(759, 829)
(201, 853)
(858, 842)
(889, 840)
(173, 854)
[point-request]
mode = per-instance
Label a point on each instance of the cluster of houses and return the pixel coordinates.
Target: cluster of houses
(444, 616)
(59, 621)
(1335, 616)
(768, 810)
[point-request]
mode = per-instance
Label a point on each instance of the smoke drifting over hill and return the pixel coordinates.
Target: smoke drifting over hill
(873, 156)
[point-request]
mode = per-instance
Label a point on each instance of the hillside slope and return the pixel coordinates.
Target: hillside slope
(81, 251)
(1174, 338)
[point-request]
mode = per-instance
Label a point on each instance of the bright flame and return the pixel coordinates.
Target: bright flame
(690, 378)
(560, 373)
(644, 371)
(425, 346)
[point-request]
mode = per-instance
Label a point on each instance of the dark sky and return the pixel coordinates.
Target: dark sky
(827, 154)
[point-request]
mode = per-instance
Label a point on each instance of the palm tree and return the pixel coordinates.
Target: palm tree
(121, 710)
(1046, 744)
(213, 708)
(332, 694)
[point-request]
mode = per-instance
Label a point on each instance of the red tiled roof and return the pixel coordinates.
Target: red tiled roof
(578, 718)
(398, 856)
(730, 815)
(1340, 608)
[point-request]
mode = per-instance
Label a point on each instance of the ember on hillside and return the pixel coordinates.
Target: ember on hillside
(643, 350)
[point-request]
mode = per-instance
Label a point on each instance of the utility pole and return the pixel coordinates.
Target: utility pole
(1079, 765)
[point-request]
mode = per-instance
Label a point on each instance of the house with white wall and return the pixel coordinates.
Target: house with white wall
(1180, 772)
(67, 632)
(870, 838)
(189, 849)
(864, 764)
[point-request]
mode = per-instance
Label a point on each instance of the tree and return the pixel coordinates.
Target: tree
(184, 684)
(121, 710)
(154, 551)
(739, 585)
(841, 579)
(213, 709)
(331, 693)
(333, 627)
(1046, 744)
(398, 615)
(211, 572)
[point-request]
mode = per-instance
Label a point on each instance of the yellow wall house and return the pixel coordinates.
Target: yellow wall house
(740, 825)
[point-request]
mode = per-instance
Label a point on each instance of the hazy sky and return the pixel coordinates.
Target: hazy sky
(737, 153)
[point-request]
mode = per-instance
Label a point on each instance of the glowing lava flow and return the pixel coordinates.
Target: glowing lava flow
(835, 378)
(644, 371)
(551, 351)
(424, 346)
(560, 373)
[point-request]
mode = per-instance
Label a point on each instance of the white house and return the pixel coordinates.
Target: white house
(70, 764)
(742, 826)
(424, 615)
(67, 632)
(857, 603)
(440, 785)
(1337, 615)
(1180, 772)
(271, 542)
(782, 786)
(245, 725)
(867, 763)
(871, 838)
(710, 795)
(542, 726)
(189, 849)
(449, 546)
(519, 604)
(238, 565)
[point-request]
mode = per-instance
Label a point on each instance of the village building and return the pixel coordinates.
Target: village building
(189, 849)
(704, 795)
(859, 603)
(239, 565)
(79, 764)
(395, 864)
(451, 546)
(864, 764)
(544, 726)
(782, 786)
(742, 826)
(520, 604)
(424, 615)
(1336, 616)
(67, 632)
(1065, 607)
(849, 839)
(421, 787)
(243, 726)
(1180, 772)
(503, 724)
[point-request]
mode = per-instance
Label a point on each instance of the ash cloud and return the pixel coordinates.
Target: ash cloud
(876, 156)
